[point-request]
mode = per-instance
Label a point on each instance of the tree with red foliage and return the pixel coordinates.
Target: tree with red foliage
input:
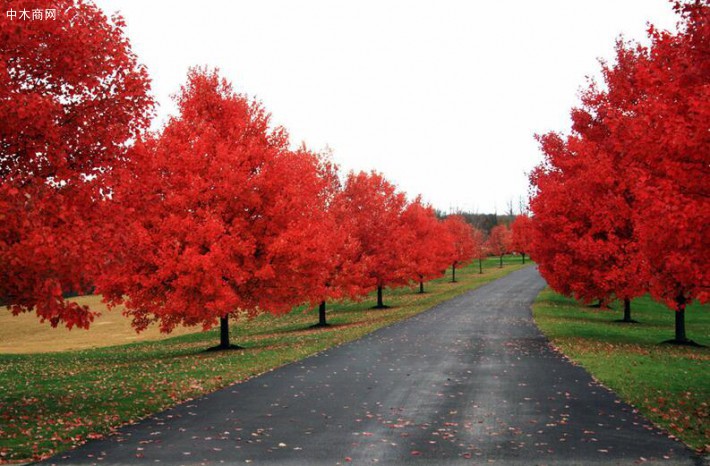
(339, 247)
(521, 231)
(428, 252)
(72, 95)
(584, 241)
(218, 217)
(657, 108)
(373, 208)
(461, 237)
(499, 241)
(480, 250)
(622, 204)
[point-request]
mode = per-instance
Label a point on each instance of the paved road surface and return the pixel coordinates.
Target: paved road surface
(471, 381)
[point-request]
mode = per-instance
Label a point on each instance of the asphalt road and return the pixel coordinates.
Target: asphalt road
(471, 381)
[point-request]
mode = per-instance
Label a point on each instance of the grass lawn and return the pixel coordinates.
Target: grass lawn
(669, 384)
(50, 402)
(25, 334)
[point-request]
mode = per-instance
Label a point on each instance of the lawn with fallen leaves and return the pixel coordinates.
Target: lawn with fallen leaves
(50, 402)
(669, 384)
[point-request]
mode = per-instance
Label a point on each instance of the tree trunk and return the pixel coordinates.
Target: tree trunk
(224, 332)
(480, 265)
(501, 262)
(680, 320)
(627, 310)
(523, 254)
(421, 285)
(224, 336)
(321, 314)
(453, 272)
(380, 304)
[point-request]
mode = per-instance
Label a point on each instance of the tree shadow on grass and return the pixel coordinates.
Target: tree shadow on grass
(688, 343)
(622, 321)
(224, 348)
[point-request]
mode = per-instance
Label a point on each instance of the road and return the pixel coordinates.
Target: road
(471, 381)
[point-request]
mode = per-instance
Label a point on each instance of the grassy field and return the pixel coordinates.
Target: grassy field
(669, 384)
(24, 334)
(50, 402)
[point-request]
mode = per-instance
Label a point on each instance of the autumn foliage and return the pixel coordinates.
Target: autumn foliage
(218, 217)
(461, 235)
(71, 95)
(429, 249)
(621, 206)
(521, 235)
(499, 241)
(374, 209)
(212, 216)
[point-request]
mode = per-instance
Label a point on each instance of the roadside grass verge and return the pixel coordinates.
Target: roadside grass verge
(669, 384)
(50, 402)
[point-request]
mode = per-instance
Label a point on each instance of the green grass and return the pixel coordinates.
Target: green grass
(669, 384)
(50, 402)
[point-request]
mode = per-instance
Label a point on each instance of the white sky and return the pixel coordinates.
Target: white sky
(443, 97)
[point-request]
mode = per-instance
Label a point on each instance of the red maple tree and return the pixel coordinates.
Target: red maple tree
(622, 202)
(658, 107)
(461, 237)
(373, 208)
(428, 250)
(339, 246)
(72, 95)
(499, 241)
(218, 217)
(480, 248)
(584, 239)
(521, 231)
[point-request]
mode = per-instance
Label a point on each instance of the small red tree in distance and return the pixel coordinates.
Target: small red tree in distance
(499, 241)
(521, 231)
(373, 208)
(461, 237)
(480, 249)
(71, 96)
(428, 252)
(218, 218)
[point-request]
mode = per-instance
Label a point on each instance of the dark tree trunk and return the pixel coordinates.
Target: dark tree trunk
(224, 336)
(480, 265)
(501, 262)
(421, 285)
(680, 336)
(523, 254)
(224, 332)
(321, 314)
(453, 272)
(380, 303)
(627, 310)
(627, 313)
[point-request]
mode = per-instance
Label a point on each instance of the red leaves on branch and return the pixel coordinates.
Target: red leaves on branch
(461, 236)
(622, 203)
(521, 234)
(499, 241)
(429, 249)
(218, 216)
(71, 96)
(662, 107)
(212, 216)
(372, 209)
(584, 240)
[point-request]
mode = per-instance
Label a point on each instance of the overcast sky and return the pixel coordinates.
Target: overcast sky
(443, 97)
